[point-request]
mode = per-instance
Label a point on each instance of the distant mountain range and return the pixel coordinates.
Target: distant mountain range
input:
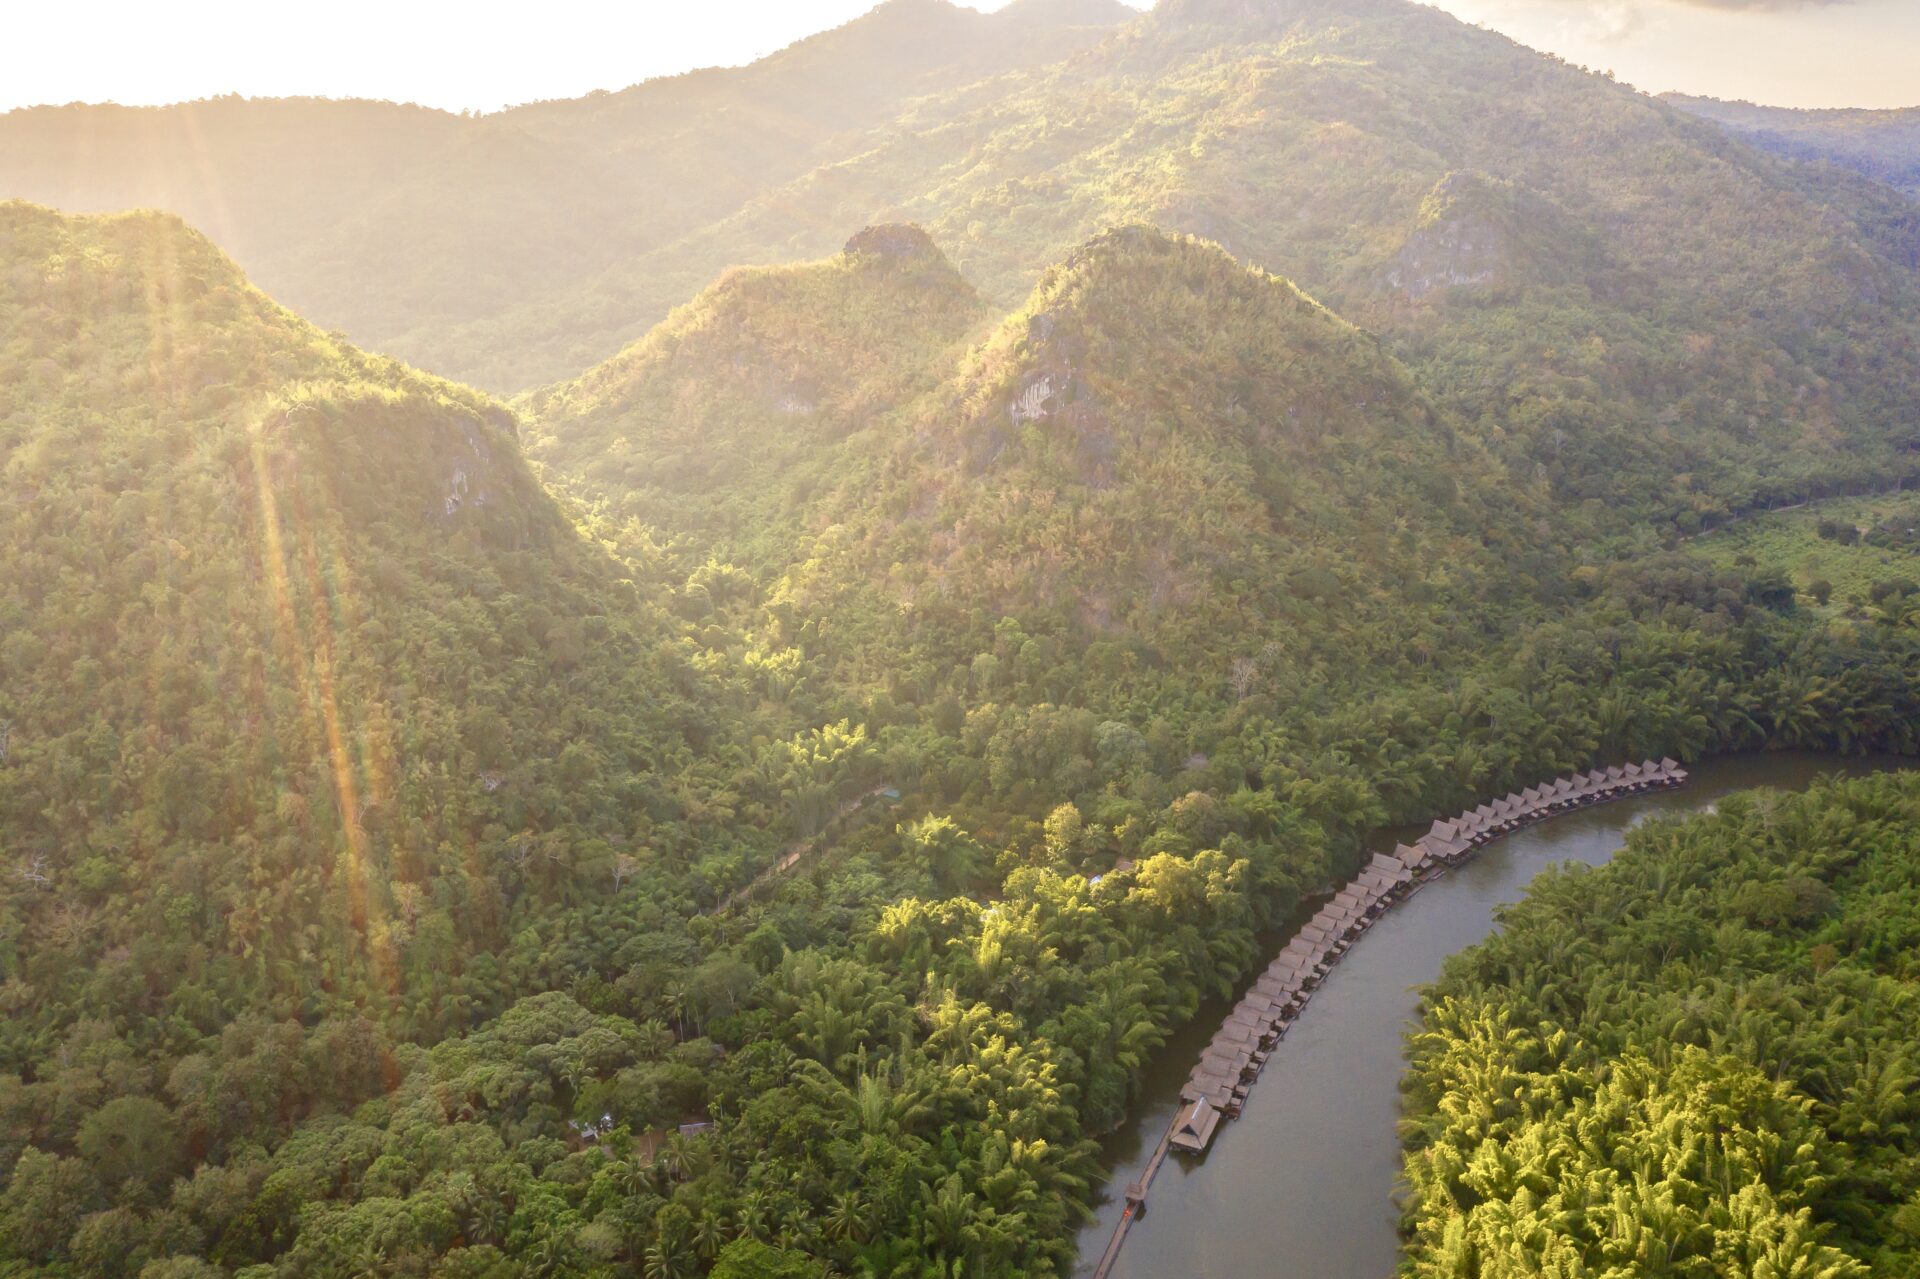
(1884, 145)
(1306, 136)
(417, 231)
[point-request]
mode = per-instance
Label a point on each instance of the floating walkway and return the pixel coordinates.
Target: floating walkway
(1231, 1063)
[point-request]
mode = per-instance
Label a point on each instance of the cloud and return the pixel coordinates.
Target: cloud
(1735, 6)
(1616, 20)
(1613, 21)
(1763, 6)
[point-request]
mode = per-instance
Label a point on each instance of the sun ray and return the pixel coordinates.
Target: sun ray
(312, 662)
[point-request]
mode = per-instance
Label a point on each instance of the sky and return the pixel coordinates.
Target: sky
(485, 54)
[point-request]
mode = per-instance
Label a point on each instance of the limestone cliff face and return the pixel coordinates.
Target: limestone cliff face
(1476, 232)
(1465, 239)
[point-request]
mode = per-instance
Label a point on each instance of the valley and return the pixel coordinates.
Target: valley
(722, 678)
(1316, 1158)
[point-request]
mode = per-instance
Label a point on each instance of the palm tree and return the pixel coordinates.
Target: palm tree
(847, 1219)
(664, 1260)
(673, 1155)
(371, 1262)
(709, 1234)
(949, 1216)
(752, 1223)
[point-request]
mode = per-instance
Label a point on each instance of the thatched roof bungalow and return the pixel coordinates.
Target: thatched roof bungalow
(1194, 1127)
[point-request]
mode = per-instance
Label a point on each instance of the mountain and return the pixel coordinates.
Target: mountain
(1884, 145)
(1162, 452)
(943, 657)
(1656, 317)
(281, 629)
(1660, 320)
(369, 835)
(702, 429)
(1161, 448)
(413, 230)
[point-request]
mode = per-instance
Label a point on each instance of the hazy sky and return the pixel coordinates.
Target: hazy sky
(484, 53)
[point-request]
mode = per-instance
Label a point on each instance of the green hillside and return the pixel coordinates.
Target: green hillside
(1166, 453)
(1188, 465)
(404, 226)
(1698, 1059)
(282, 626)
(756, 806)
(1653, 316)
(711, 428)
(1884, 145)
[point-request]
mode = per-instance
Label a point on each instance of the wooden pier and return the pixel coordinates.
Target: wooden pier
(1231, 1063)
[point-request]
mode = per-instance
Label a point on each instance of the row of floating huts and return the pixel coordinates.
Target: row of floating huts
(1232, 1061)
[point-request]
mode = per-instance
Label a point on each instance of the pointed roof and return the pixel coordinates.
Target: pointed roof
(1194, 1127)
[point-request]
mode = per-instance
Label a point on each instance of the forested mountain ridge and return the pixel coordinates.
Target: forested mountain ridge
(1186, 464)
(281, 624)
(710, 428)
(1884, 145)
(444, 220)
(1161, 451)
(1069, 609)
(1651, 314)
(1643, 306)
(361, 916)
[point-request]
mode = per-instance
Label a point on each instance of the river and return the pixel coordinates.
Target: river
(1302, 1185)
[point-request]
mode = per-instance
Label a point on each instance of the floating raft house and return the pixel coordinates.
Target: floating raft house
(1231, 1063)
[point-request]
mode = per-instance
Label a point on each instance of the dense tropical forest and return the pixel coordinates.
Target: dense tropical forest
(523, 980)
(1697, 1060)
(395, 780)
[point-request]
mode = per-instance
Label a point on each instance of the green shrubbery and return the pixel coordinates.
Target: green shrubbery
(1697, 1059)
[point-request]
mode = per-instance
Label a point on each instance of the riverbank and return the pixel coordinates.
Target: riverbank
(1303, 1183)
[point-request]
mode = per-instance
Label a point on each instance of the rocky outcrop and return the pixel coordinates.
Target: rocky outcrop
(894, 240)
(1478, 232)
